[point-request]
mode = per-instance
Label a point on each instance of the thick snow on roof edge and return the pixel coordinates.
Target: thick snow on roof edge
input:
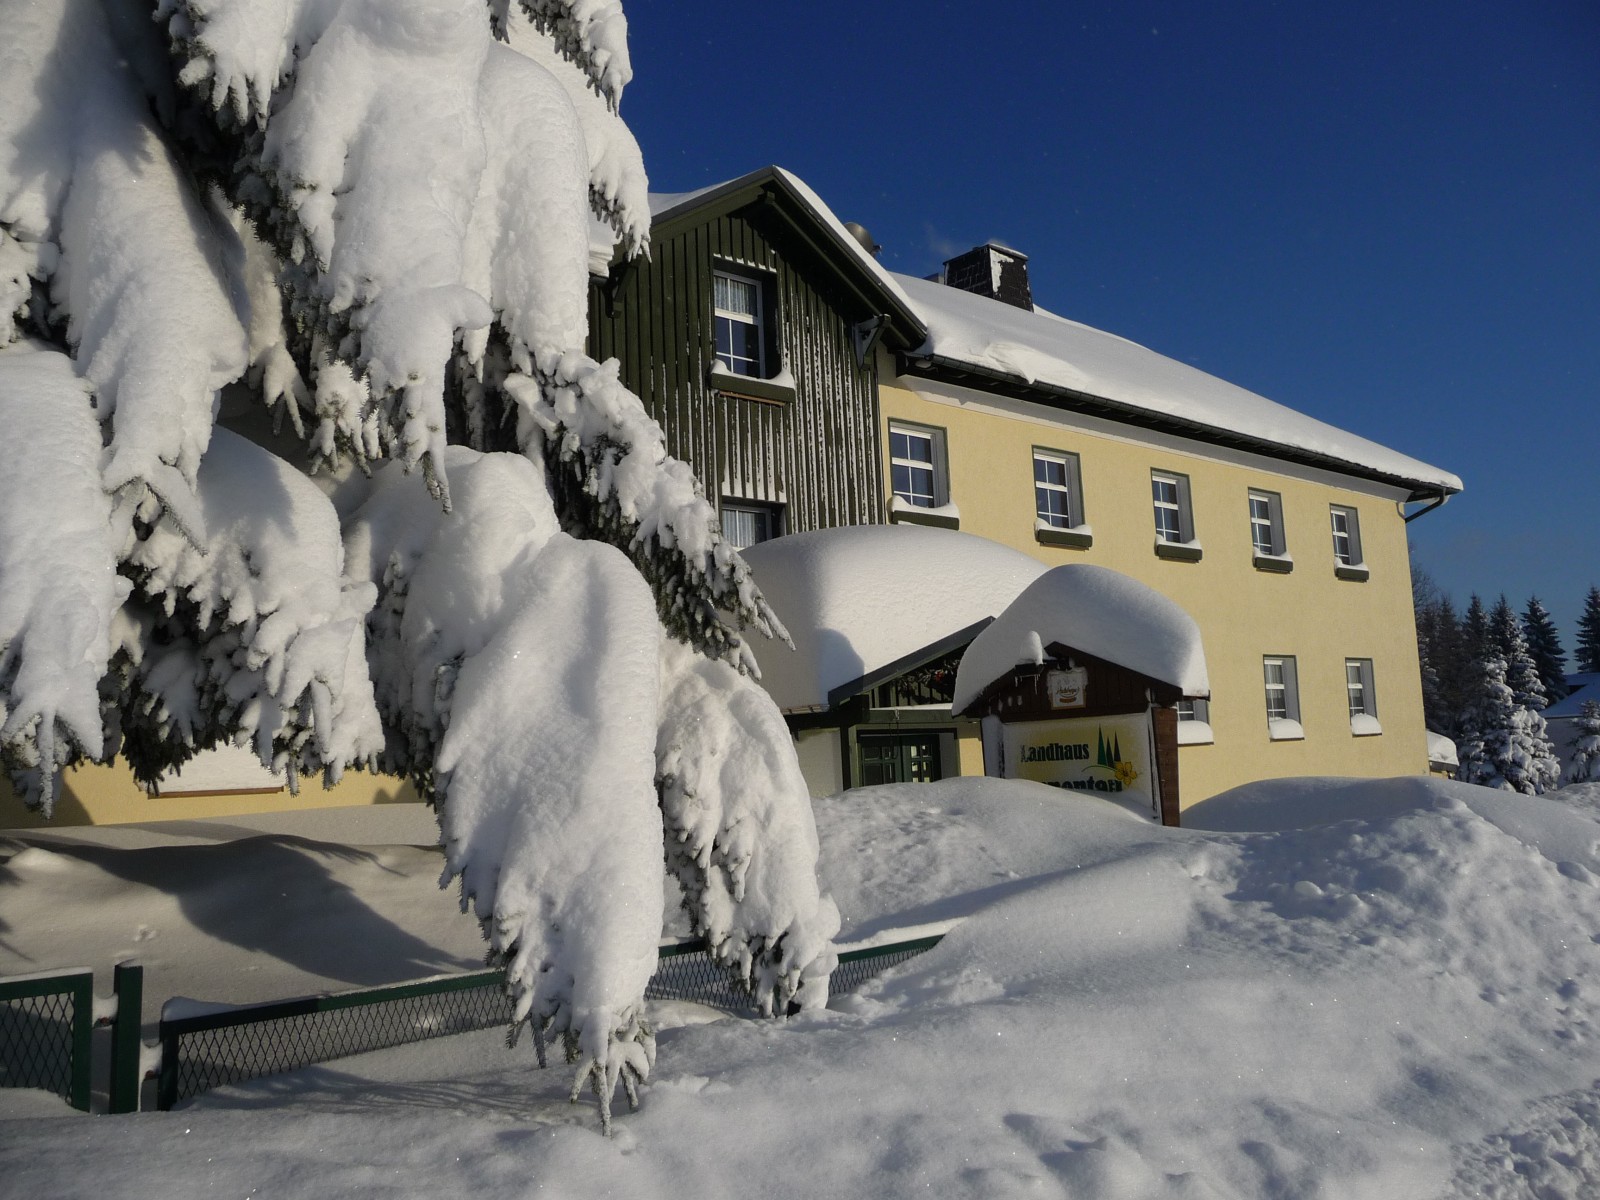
(1097, 611)
(861, 597)
(1046, 349)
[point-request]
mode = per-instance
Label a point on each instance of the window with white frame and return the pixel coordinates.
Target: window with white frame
(916, 465)
(1346, 535)
(1057, 488)
(745, 523)
(1362, 699)
(739, 315)
(1194, 722)
(1169, 493)
(1266, 523)
(1283, 696)
(1266, 527)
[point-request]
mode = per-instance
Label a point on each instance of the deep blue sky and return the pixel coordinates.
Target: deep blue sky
(1383, 214)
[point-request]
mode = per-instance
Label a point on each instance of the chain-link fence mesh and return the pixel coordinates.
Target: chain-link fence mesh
(857, 966)
(209, 1050)
(44, 1034)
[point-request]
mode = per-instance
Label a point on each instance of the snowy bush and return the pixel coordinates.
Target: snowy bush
(1584, 766)
(372, 219)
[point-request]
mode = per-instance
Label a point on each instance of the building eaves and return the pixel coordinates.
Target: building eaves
(815, 225)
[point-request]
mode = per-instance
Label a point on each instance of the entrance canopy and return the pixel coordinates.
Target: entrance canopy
(1093, 610)
(866, 603)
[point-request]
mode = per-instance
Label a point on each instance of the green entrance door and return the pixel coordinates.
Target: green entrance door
(898, 757)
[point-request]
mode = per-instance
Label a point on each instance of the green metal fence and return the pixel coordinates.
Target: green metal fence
(45, 1028)
(207, 1049)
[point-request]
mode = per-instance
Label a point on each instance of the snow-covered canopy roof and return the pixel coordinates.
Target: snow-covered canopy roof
(984, 342)
(1097, 611)
(825, 231)
(864, 597)
(1441, 751)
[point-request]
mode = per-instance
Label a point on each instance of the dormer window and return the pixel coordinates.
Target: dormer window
(738, 308)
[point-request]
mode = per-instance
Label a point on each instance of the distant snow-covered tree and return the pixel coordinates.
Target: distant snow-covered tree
(1476, 633)
(1544, 644)
(1584, 765)
(1589, 632)
(1503, 744)
(372, 220)
(1444, 664)
(1522, 673)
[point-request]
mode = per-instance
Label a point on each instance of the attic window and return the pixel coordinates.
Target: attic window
(741, 312)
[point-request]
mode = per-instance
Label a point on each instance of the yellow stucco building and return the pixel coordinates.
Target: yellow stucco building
(1283, 537)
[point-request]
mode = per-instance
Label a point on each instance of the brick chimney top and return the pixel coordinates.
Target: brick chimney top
(992, 270)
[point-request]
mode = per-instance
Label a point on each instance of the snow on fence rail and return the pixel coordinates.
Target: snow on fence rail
(204, 1046)
(46, 1020)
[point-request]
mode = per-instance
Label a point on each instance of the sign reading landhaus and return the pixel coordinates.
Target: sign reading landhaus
(1110, 755)
(1119, 741)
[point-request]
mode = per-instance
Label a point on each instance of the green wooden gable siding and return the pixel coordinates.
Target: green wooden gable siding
(816, 454)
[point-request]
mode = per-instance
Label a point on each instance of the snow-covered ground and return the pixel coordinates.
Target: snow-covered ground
(1320, 988)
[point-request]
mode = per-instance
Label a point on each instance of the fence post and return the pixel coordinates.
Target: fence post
(82, 1040)
(167, 1073)
(128, 984)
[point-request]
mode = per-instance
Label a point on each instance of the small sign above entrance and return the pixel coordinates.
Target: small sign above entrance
(1068, 689)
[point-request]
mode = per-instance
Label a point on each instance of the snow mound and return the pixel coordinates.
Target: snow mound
(1279, 804)
(860, 598)
(1098, 611)
(898, 856)
(1400, 1005)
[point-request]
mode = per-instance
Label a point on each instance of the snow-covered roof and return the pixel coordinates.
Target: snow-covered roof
(665, 205)
(860, 598)
(1097, 611)
(973, 332)
(1585, 686)
(1441, 751)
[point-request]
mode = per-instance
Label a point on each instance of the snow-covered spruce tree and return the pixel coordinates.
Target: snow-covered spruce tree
(1544, 644)
(1527, 692)
(1522, 673)
(1584, 765)
(1500, 746)
(1589, 632)
(372, 219)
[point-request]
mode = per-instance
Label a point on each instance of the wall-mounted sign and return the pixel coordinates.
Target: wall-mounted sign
(1068, 689)
(1108, 755)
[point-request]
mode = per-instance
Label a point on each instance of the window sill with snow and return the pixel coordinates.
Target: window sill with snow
(940, 516)
(777, 390)
(1076, 537)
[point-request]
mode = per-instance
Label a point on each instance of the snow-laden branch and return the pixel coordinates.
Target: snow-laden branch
(58, 568)
(741, 837)
(517, 675)
(374, 219)
(615, 481)
(97, 207)
(591, 34)
(618, 190)
(264, 638)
